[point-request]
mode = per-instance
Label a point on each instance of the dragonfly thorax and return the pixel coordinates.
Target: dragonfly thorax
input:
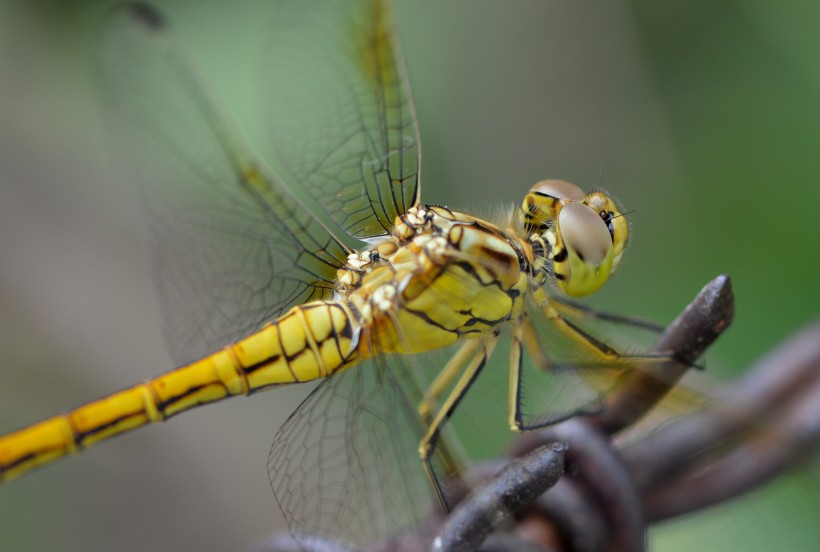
(441, 276)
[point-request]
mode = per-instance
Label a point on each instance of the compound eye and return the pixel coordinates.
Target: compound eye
(585, 232)
(559, 189)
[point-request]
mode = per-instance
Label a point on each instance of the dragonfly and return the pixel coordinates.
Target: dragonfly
(333, 269)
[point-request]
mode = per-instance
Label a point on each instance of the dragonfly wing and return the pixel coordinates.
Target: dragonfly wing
(341, 115)
(345, 466)
(234, 247)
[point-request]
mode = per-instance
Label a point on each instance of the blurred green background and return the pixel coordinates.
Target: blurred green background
(703, 118)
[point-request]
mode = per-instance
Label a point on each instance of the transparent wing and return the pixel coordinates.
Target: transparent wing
(341, 116)
(234, 248)
(346, 466)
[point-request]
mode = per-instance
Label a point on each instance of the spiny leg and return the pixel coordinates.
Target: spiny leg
(516, 357)
(449, 459)
(566, 306)
(590, 342)
(525, 336)
(430, 441)
(445, 378)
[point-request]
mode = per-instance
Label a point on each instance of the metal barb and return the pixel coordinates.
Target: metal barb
(686, 339)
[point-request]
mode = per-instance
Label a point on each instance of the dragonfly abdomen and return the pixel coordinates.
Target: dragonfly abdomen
(308, 342)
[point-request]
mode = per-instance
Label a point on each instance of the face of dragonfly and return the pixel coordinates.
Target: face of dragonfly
(584, 234)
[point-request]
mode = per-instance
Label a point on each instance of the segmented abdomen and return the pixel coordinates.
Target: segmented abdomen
(308, 342)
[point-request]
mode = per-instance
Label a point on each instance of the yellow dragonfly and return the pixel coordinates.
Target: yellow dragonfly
(337, 271)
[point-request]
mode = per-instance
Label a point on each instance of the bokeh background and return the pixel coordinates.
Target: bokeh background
(703, 118)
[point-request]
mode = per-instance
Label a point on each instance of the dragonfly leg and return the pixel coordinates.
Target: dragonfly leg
(525, 336)
(567, 306)
(524, 332)
(445, 378)
(588, 341)
(430, 441)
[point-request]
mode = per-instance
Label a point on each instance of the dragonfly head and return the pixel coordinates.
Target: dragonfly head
(585, 233)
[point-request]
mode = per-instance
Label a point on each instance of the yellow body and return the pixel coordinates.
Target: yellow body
(416, 299)
(308, 342)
